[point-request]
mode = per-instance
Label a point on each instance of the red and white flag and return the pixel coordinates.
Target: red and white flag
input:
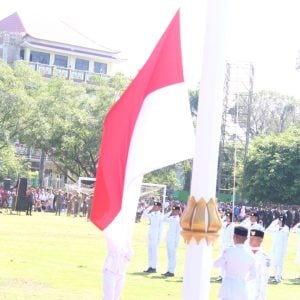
(148, 128)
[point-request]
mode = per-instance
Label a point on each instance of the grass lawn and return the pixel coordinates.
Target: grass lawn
(60, 258)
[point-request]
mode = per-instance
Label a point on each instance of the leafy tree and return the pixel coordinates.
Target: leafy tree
(72, 116)
(13, 166)
(14, 106)
(176, 177)
(272, 170)
(270, 113)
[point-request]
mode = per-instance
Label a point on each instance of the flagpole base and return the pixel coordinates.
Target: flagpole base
(200, 220)
(198, 236)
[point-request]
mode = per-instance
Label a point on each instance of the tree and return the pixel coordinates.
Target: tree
(73, 116)
(272, 170)
(15, 106)
(16, 117)
(13, 166)
(270, 113)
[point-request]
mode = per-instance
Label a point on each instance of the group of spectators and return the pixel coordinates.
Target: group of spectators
(266, 214)
(47, 200)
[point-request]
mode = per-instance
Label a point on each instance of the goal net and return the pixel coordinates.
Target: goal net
(151, 192)
(84, 185)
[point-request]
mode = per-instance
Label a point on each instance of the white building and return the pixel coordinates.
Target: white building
(53, 47)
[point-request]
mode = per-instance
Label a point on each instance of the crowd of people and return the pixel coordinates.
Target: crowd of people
(48, 200)
(246, 269)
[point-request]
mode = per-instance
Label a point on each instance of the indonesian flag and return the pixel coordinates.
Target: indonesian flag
(148, 128)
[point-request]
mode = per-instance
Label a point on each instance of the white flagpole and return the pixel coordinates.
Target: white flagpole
(200, 220)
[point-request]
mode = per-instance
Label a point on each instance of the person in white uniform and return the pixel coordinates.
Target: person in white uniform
(155, 217)
(226, 235)
(280, 233)
(296, 228)
(172, 239)
(238, 267)
(227, 232)
(114, 270)
(258, 286)
(252, 222)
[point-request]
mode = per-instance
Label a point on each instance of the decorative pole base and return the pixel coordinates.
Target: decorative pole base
(200, 220)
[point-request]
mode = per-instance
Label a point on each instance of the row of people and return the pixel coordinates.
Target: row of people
(255, 233)
(244, 267)
(45, 200)
(280, 234)
(266, 214)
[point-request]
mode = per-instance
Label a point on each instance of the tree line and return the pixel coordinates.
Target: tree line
(64, 120)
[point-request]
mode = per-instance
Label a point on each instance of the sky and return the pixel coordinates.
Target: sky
(263, 32)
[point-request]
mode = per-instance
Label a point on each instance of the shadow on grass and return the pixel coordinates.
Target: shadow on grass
(295, 281)
(157, 276)
(215, 279)
(144, 274)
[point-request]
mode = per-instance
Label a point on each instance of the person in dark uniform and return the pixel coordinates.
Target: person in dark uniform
(58, 199)
(88, 201)
(69, 204)
(29, 198)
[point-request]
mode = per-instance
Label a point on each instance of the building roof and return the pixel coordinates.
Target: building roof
(50, 29)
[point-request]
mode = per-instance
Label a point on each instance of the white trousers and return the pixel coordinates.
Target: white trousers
(278, 270)
(152, 253)
(171, 252)
(112, 285)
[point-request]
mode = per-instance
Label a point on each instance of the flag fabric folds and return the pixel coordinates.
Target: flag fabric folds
(148, 128)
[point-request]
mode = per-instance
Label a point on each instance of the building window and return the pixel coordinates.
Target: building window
(22, 54)
(40, 57)
(82, 64)
(61, 60)
(100, 68)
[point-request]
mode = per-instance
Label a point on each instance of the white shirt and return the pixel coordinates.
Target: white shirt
(155, 227)
(238, 267)
(258, 286)
(173, 233)
(227, 235)
(280, 241)
(297, 229)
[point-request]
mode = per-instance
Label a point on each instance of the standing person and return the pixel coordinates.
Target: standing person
(226, 235)
(280, 232)
(227, 232)
(155, 217)
(297, 230)
(258, 286)
(172, 240)
(69, 204)
(139, 212)
(89, 205)
(113, 270)
(76, 201)
(29, 196)
(58, 199)
(238, 267)
(252, 222)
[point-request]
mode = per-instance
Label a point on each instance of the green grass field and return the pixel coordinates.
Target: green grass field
(60, 258)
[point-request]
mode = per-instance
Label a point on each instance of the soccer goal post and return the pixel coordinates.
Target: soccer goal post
(151, 192)
(86, 185)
